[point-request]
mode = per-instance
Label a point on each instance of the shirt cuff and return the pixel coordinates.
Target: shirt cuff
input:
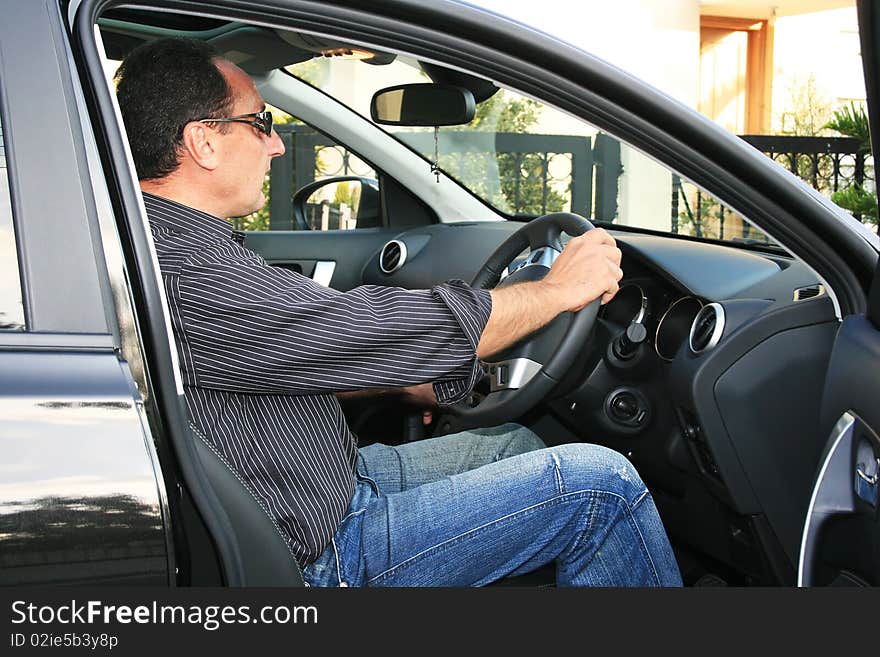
(471, 309)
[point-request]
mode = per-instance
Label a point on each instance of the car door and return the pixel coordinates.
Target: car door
(307, 228)
(841, 540)
(345, 187)
(330, 207)
(82, 498)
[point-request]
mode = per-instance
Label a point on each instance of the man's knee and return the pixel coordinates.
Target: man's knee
(583, 466)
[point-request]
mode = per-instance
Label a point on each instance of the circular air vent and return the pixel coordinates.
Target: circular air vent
(392, 256)
(707, 328)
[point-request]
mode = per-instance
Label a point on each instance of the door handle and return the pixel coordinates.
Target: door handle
(867, 473)
(869, 479)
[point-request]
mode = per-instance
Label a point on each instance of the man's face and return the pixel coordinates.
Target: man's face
(245, 151)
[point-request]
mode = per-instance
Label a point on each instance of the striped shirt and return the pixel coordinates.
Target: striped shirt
(263, 350)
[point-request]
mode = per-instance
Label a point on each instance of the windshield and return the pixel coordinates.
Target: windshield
(525, 158)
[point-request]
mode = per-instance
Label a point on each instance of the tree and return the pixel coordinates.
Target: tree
(856, 200)
(808, 113)
(521, 175)
(852, 121)
(808, 109)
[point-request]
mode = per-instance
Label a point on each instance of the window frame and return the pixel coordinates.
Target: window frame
(15, 241)
(65, 291)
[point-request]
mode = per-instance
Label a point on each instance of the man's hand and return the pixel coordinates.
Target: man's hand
(588, 268)
(421, 396)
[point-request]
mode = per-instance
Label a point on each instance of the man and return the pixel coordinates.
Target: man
(263, 352)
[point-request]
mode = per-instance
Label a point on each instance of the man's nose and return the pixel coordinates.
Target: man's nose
(276, 146)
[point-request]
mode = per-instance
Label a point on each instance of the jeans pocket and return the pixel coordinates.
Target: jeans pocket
(323, 571)
(341, 563)
(360, 474)
(349, 553)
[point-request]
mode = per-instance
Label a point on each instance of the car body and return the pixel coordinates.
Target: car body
(757, 370)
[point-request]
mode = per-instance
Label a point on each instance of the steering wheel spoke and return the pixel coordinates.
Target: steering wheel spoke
(543, 256)
(512, 373)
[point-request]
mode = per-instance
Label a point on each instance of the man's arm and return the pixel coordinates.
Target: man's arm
(587, 268)
(263, 330)
(420, 395)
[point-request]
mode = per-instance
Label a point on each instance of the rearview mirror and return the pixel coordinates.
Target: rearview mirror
(426, 104)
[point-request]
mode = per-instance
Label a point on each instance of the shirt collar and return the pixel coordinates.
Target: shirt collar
(181, 218)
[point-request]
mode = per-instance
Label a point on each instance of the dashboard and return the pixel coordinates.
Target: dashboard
(705, 370)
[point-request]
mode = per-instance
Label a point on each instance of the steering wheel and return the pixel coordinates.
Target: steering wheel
(523, 374)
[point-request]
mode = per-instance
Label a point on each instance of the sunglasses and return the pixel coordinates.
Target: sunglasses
(262, 121)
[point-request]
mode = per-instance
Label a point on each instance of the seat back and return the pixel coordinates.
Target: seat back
(265, 555)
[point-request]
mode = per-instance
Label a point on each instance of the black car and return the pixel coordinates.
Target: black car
(737, 367)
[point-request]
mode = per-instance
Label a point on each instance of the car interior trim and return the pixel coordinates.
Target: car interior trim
(717, 329)
(682, 314)
(162, 356)
(542, 257)
(400, 261)
(323, 273)
(511, 374)
(823, 500)
(808, 292)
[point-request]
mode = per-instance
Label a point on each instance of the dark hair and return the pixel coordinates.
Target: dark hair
(162, 85)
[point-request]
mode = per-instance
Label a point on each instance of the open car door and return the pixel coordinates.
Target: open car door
(841, 540)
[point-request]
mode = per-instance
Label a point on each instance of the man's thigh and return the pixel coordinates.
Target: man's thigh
(402, 467)
(515, 515)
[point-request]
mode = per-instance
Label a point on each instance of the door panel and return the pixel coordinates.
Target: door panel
(344, 252)
(79, 501)
(841, 541)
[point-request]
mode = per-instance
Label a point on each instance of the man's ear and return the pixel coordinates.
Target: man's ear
(198, 144)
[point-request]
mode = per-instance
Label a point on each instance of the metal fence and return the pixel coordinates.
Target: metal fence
(523, 173)
(529, 174)
(828, 164)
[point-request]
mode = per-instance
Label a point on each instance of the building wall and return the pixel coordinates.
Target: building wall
(824, 45)
(656, 40)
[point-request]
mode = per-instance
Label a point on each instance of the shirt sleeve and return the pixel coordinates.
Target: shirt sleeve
(249, 327)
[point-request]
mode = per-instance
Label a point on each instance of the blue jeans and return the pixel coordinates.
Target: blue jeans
(468, 509)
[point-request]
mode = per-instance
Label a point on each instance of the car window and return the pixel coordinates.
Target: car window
(525, 158)
(311, 158)
(11, 307)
